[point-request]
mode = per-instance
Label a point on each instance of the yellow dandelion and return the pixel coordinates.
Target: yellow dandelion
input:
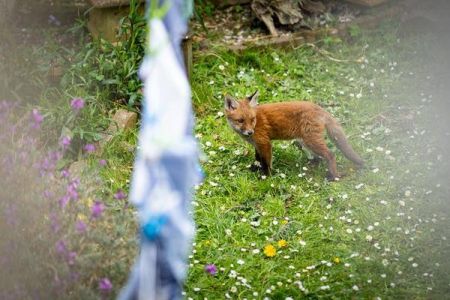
(270, 251)
(282, 243)
(284, 222)
(337, 260)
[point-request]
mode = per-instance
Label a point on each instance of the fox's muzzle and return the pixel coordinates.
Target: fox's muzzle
(248, 132)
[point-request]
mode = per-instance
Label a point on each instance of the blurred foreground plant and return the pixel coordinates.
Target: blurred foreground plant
(52, 225)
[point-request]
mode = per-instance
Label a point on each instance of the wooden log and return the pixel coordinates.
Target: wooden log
(311, 36)
(291, 40)
(221, 3)
(110, 3)
(369, 3)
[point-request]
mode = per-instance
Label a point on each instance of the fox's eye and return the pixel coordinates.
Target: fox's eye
(241, 120)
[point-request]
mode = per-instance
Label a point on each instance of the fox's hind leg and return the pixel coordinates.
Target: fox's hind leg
(313, 158)
(317, 145)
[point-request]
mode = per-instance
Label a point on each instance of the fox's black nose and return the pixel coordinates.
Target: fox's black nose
(248, 132)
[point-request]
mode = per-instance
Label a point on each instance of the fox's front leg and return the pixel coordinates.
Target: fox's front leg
(257, 165)
(265, 154)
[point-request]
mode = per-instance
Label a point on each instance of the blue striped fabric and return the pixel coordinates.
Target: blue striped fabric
(166, 168)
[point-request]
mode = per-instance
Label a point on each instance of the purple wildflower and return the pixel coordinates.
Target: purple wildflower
(97, 209)
(65, 142)
(48, 164)
(37, 118)
(71, 191)
(105, 285)
(120, 195)
(71, 256)
(64, 200)
(61, 247)
(89, 148)
(65, 173)
(211, 269)
(55, 223)
(77, 104)
(102, 162)
(80, 226)
(55, 156)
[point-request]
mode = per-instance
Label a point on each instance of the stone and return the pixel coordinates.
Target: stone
(122, 120)
(77, 168)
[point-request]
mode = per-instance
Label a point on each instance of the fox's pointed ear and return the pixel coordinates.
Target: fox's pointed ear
(253, 99)
(230, 103)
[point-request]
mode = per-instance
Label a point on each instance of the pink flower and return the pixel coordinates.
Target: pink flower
(37, 118)
(71, 256)
(97, 209)
(80, 226)
(105, 285)
(89, 148)
(61, 247)
(65, 142)
(64, 200)
(77, 104)
(120, 195)
(71, 190)
(102, 162)
(65, 173)
(211, 269)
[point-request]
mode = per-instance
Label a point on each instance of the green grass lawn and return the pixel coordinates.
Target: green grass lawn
(369, 235)
(379, 232)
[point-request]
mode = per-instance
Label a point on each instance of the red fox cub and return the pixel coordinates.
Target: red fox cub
(299, 120)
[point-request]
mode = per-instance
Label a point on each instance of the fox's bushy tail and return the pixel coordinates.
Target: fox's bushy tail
(337, 135)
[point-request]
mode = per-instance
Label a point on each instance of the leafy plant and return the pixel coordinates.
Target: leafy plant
(354, 31)
(113, 66)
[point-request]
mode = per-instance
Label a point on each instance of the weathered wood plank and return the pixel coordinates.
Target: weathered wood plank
(369, 3)
(110, 3)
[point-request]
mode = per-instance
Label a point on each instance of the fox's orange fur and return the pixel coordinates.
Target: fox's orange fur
(299, 120)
